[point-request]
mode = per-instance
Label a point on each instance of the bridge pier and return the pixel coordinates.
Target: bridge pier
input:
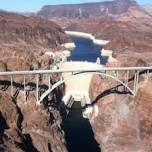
(24, 83)
(136, 81)
(37, 89)
(49, 81)
(116, 75)
(126, 80)
(12, 92)
(147, 75)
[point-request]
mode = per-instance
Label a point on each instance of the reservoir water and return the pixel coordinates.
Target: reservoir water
(86, 50)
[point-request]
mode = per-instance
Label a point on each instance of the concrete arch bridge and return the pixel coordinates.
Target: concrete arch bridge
(122, 75)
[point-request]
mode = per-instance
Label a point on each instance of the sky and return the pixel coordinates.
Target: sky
(35, 5)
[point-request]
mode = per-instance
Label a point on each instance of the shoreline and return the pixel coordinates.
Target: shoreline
(108, 53)
(87, 36)
(103, 43)
(70, 46)
(64, 53)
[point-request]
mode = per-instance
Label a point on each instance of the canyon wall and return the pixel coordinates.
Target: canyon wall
(25, 126)
(87, 10)
(122, 22)
(123, 122)
(24, 40)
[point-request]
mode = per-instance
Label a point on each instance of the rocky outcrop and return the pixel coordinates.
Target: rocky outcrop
(124, 23)
(25, 39)
(143, 108)
(35, 31)
(124, 35)
(28, 127)
(96, 9)
(123, 122)
(128, 33)
(148, 8)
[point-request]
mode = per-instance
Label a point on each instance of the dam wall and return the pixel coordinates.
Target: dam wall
(79, 85)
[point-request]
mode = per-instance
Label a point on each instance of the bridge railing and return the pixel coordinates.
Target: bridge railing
(9, 73)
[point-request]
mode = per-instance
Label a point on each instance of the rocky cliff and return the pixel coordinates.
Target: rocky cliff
(148, 8)
(28, 127)
(128, 33)
(96, 9)
(35, 31)
(25, 126)
(25, 39)
(123, 22)
(123, 122)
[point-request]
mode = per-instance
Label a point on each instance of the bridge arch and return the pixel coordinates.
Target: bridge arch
(74, 75)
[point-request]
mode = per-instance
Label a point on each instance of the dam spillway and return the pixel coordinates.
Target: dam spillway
(78, 86)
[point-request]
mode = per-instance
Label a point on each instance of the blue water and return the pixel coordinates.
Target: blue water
(86, 50)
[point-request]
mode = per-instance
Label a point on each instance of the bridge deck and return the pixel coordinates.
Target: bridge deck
(10, 73)
(111, 72)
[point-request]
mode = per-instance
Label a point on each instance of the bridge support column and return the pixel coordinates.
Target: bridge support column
(49, 81)
(12, 93)
(37, 88)
(136, 81)
(147, 75)
(117, 74)
(126, 80)
(24, 81)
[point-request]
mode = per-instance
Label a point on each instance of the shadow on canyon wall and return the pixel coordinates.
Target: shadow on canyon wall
(27, 144)
(3, 126)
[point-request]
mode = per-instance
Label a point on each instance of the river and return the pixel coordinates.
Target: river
(86, 50)
(78, 132)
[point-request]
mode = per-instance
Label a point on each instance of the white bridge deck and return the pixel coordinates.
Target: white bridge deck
(11, 73)
(111, 72)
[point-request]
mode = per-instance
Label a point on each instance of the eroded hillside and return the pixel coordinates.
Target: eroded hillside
(25, 126)
(25, 39)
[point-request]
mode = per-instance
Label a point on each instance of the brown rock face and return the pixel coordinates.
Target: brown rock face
(127, 25)
(86, 10)
(123, 35)
(25, 39)
(10, 125)
(129, 34)
(15, 28)
(148, 8)
(143, 106)
(28, 127)
(123, 122)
